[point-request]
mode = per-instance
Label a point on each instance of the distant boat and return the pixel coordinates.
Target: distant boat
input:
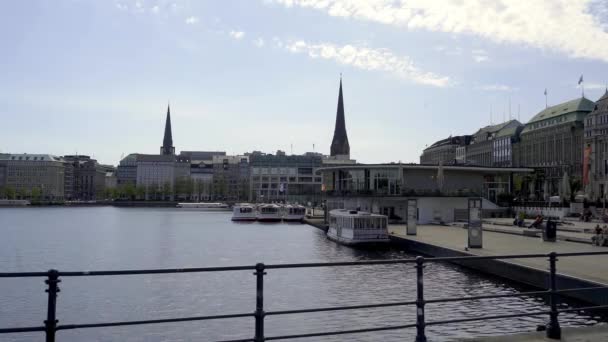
(203, 206)
(244, 212)
(14, 203)
(354, 228)
(269, 213)
(294, 213)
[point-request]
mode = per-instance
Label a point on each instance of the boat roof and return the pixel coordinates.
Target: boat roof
(347, 212)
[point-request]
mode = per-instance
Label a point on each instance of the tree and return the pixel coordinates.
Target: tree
(140, 192)
(36, 193)
(166, 190)
(130, 191)
(10, 193)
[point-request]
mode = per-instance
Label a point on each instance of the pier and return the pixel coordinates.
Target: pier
(451, 241)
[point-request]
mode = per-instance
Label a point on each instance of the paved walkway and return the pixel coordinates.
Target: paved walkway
(596, 333)
(567, 235)
(593, 268)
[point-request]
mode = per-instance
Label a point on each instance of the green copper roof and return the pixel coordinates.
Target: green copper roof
(579, 105)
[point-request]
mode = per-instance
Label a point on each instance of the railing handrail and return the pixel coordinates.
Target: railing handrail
(51, 325)
(294, 265)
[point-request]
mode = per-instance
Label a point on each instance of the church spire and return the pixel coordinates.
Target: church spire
(339, 144)
(167, 148)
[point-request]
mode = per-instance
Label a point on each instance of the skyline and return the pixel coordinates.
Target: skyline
(94, 78)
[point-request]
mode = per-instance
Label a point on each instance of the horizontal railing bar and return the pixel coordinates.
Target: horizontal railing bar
(582, 289)
(597, 307)
(507, 295)
(483, 318)
(23, 274)
(152, 321)
(21, 330)
(338, 308)
(300, 265)
(343, 332)
(242, 340)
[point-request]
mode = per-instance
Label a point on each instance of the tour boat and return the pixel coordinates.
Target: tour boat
(353, 228)
(204, 206)
(269, 213)
(244, 212)
(294, 213)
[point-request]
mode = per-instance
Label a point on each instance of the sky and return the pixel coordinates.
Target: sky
(95, 77)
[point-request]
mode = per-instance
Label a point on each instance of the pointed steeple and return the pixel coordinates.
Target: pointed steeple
(339, 144)
(167, 148)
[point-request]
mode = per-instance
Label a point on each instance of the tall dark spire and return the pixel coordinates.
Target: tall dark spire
(167, 148)
(339, 144)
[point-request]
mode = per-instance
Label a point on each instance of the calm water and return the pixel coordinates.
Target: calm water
(106, 238)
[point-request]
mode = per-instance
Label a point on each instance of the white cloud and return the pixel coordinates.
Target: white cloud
(577, 28)
(497, 87)
(192, 20)
(121, 6)
(594, 86)
(259, 42)
(237, 34)
(155, 9)
(480, 56)
(367, 59)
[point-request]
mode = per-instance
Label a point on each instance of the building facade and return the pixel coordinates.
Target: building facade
(231, 178)
(447, 151)
(552, 143)
(126, 171)
(595, 167)
(492, 145)
(340, 148)
(280, 177)
(88, 178)
(158, 174)
(34, 176)
(201, 172)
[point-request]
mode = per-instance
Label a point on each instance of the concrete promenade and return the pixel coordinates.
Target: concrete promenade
(455, 238)
(596, 333)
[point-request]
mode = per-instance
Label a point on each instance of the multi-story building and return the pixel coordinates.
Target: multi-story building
(88, 178)
(552, 143)
(492, 145)
(126, 172)
(201, 172)
(280, 177)
(446, 151)
(3, 158)
(230, 178)
(35, 176)
(595, 167)
(158, 174)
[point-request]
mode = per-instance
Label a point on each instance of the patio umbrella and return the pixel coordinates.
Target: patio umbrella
(546, 190)
(566, 191)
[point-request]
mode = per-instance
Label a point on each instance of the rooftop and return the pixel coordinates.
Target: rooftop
(578, 105)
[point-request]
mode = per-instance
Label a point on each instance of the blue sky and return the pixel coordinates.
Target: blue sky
(94, 77)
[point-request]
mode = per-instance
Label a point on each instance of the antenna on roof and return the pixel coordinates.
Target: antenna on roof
(509, 107)
(490, 114)
(291, 149)
(518, 117)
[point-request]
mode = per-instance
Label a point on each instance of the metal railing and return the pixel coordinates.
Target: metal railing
(51, 326)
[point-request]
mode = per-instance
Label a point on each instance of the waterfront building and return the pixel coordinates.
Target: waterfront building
(158, 174)
(552, 143)
(442, 196)
(34, 176)
(230, 178)
(126, 172)
(201, 172)
(595, 166)
(88, 178)
(492, 145)
(340, 148)
(445, 151)
(281, 177)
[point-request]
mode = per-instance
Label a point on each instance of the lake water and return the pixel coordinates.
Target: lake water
(108, 238)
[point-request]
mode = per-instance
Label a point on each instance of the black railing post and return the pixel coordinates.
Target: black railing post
(553, 329)
(420, 325)
(51, 314)
(259, 303)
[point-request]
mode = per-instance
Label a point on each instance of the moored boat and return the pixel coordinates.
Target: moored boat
(294, 213)
(244, 212)
(269, 213)
(354, 228)
(203, 206)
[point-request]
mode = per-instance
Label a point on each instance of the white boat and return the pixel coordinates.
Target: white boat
(203, 206)
(14, 203)
(269, 213)
(294, 213)
(352, 227)
(244, 212)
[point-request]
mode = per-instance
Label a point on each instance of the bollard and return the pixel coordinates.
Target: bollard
(553, 329)
(420, 325)
(259, 303)
(51, 314)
